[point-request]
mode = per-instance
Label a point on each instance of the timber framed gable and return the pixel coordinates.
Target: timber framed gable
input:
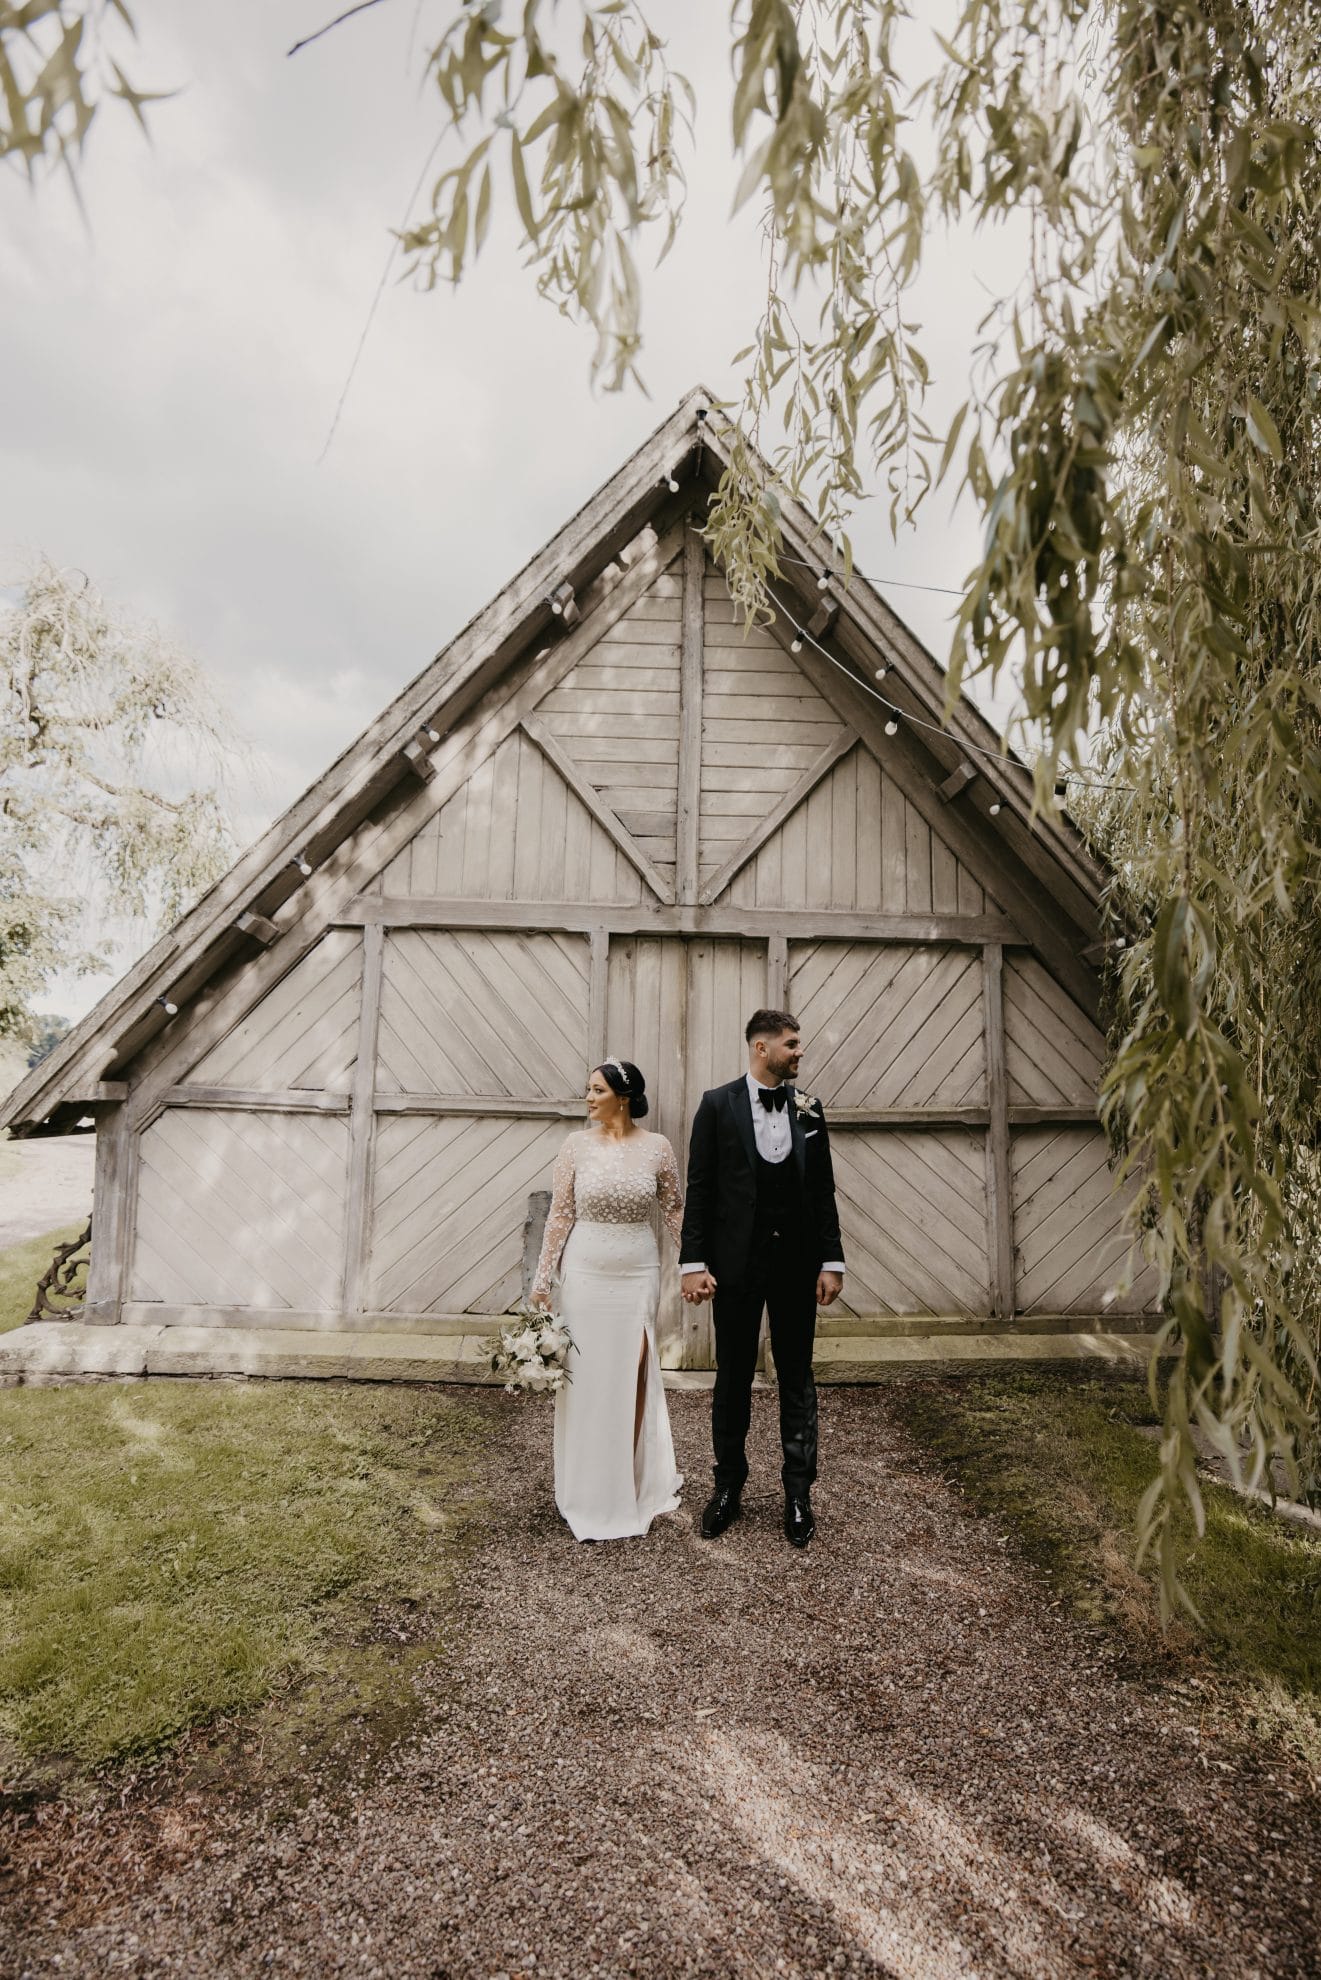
(609, 817)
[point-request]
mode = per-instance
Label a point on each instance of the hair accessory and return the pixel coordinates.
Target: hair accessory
(618, 1068)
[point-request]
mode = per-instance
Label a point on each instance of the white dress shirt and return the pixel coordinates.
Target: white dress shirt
(775, 1139)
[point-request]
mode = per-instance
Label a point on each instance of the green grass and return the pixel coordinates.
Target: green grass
(22, 1265)
(175, 1552)
(1060, 1460)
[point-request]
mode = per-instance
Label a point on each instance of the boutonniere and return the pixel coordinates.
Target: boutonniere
(805, 1102)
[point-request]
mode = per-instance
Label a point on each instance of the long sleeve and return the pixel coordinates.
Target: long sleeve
(825, 1209)
(699, 1210)
(559, 1221)
(668, 1193)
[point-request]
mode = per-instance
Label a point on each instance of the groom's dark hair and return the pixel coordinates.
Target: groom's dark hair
(770, 1024)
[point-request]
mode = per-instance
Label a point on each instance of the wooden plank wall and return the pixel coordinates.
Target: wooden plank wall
(477, 1011)
(514, 831)
(363, 1140)
(617, 716)
(240, 1209)
(857, 842)
(304, 1034)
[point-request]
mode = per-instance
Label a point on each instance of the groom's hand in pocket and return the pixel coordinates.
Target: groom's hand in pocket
(698, 1287)
(829, 1286)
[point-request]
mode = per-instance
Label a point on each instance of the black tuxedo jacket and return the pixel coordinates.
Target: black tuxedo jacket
(721, 1199)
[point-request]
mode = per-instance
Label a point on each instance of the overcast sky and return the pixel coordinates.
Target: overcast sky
(172, 362)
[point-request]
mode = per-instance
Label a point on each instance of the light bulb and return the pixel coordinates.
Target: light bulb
(433, 735)
(881, 673)
(303, 864)
(672, 484)
(823, 581)
(170, 1010)
(995, 809)
(795, 645)
(556, 607)
(892, 727)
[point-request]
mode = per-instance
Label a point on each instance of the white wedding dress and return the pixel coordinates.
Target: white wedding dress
(599, 1233)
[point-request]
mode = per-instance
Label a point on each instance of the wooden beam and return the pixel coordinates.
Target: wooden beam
(255, 1100)
(1061, 1114)
(564, 606)
(653, 918)
(95, 1092)
(107, 1258)
(690, 717)
(418, 759)
(958, 781)
(477, 1103)
(774, 818)
(823, 619)
(597, 985)
(357, 1202)
(999, 1175)
(609, 820)
(777, 972)
(258, 926)
(884, 1117)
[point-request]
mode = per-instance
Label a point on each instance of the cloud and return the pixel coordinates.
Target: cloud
(182, 352)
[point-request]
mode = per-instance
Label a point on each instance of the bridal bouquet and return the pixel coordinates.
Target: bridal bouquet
(531, 1352)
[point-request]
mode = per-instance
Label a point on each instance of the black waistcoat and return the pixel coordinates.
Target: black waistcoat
(778, 1195)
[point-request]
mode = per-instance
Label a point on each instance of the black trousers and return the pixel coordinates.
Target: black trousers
(783, 1283)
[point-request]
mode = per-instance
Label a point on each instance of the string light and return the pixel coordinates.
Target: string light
(823, 579)
(433, 735)
(170, 1010)
(994, 808)
(303, 863)
(892, 727)
(796, 643)
(672, 482)
(881, 672)
(556, 605)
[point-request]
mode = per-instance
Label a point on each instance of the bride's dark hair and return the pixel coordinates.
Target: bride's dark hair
(628, 1084)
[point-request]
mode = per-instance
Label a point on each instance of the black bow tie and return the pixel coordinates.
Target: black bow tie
(772, 1096)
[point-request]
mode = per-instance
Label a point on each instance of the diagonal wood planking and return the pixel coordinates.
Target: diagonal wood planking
(240, 1209)
(898, 1025)
(913, 1220)
(484, 1012)
(450, 1203)
(1053, 1050)
(303, 1033)
(1069, 1227)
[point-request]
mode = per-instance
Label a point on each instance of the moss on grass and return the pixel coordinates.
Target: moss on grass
(173, 1552)
(22, 1265)
(1061, 1461)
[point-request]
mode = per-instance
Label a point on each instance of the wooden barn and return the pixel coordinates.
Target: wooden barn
(607, 819)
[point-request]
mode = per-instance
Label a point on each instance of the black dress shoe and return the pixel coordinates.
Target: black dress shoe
(720, 1511)
(799, 1525)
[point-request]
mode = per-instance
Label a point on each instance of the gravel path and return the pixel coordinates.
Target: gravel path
(665, 1757)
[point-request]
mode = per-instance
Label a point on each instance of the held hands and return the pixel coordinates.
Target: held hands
(697, 1287)
(540, 1302)
(829, 1286)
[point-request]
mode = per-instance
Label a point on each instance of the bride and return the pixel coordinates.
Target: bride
(614, 1456)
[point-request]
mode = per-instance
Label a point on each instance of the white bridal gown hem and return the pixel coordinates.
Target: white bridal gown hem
(606, 1488)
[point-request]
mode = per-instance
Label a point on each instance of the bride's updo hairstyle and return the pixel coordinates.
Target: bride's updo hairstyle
(625, 1080)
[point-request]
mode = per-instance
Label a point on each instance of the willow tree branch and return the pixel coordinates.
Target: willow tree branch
(347, 15)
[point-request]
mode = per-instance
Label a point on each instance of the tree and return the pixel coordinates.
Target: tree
(57, 65)
(1141, 438)
(100, 719)
(46, 1034)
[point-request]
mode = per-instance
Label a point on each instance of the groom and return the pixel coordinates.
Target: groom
(760, 1229)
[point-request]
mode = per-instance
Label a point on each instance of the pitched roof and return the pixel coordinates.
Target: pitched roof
(88, 1064)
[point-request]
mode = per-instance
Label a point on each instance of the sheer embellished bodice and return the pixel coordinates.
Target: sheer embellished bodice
(599, 1179)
